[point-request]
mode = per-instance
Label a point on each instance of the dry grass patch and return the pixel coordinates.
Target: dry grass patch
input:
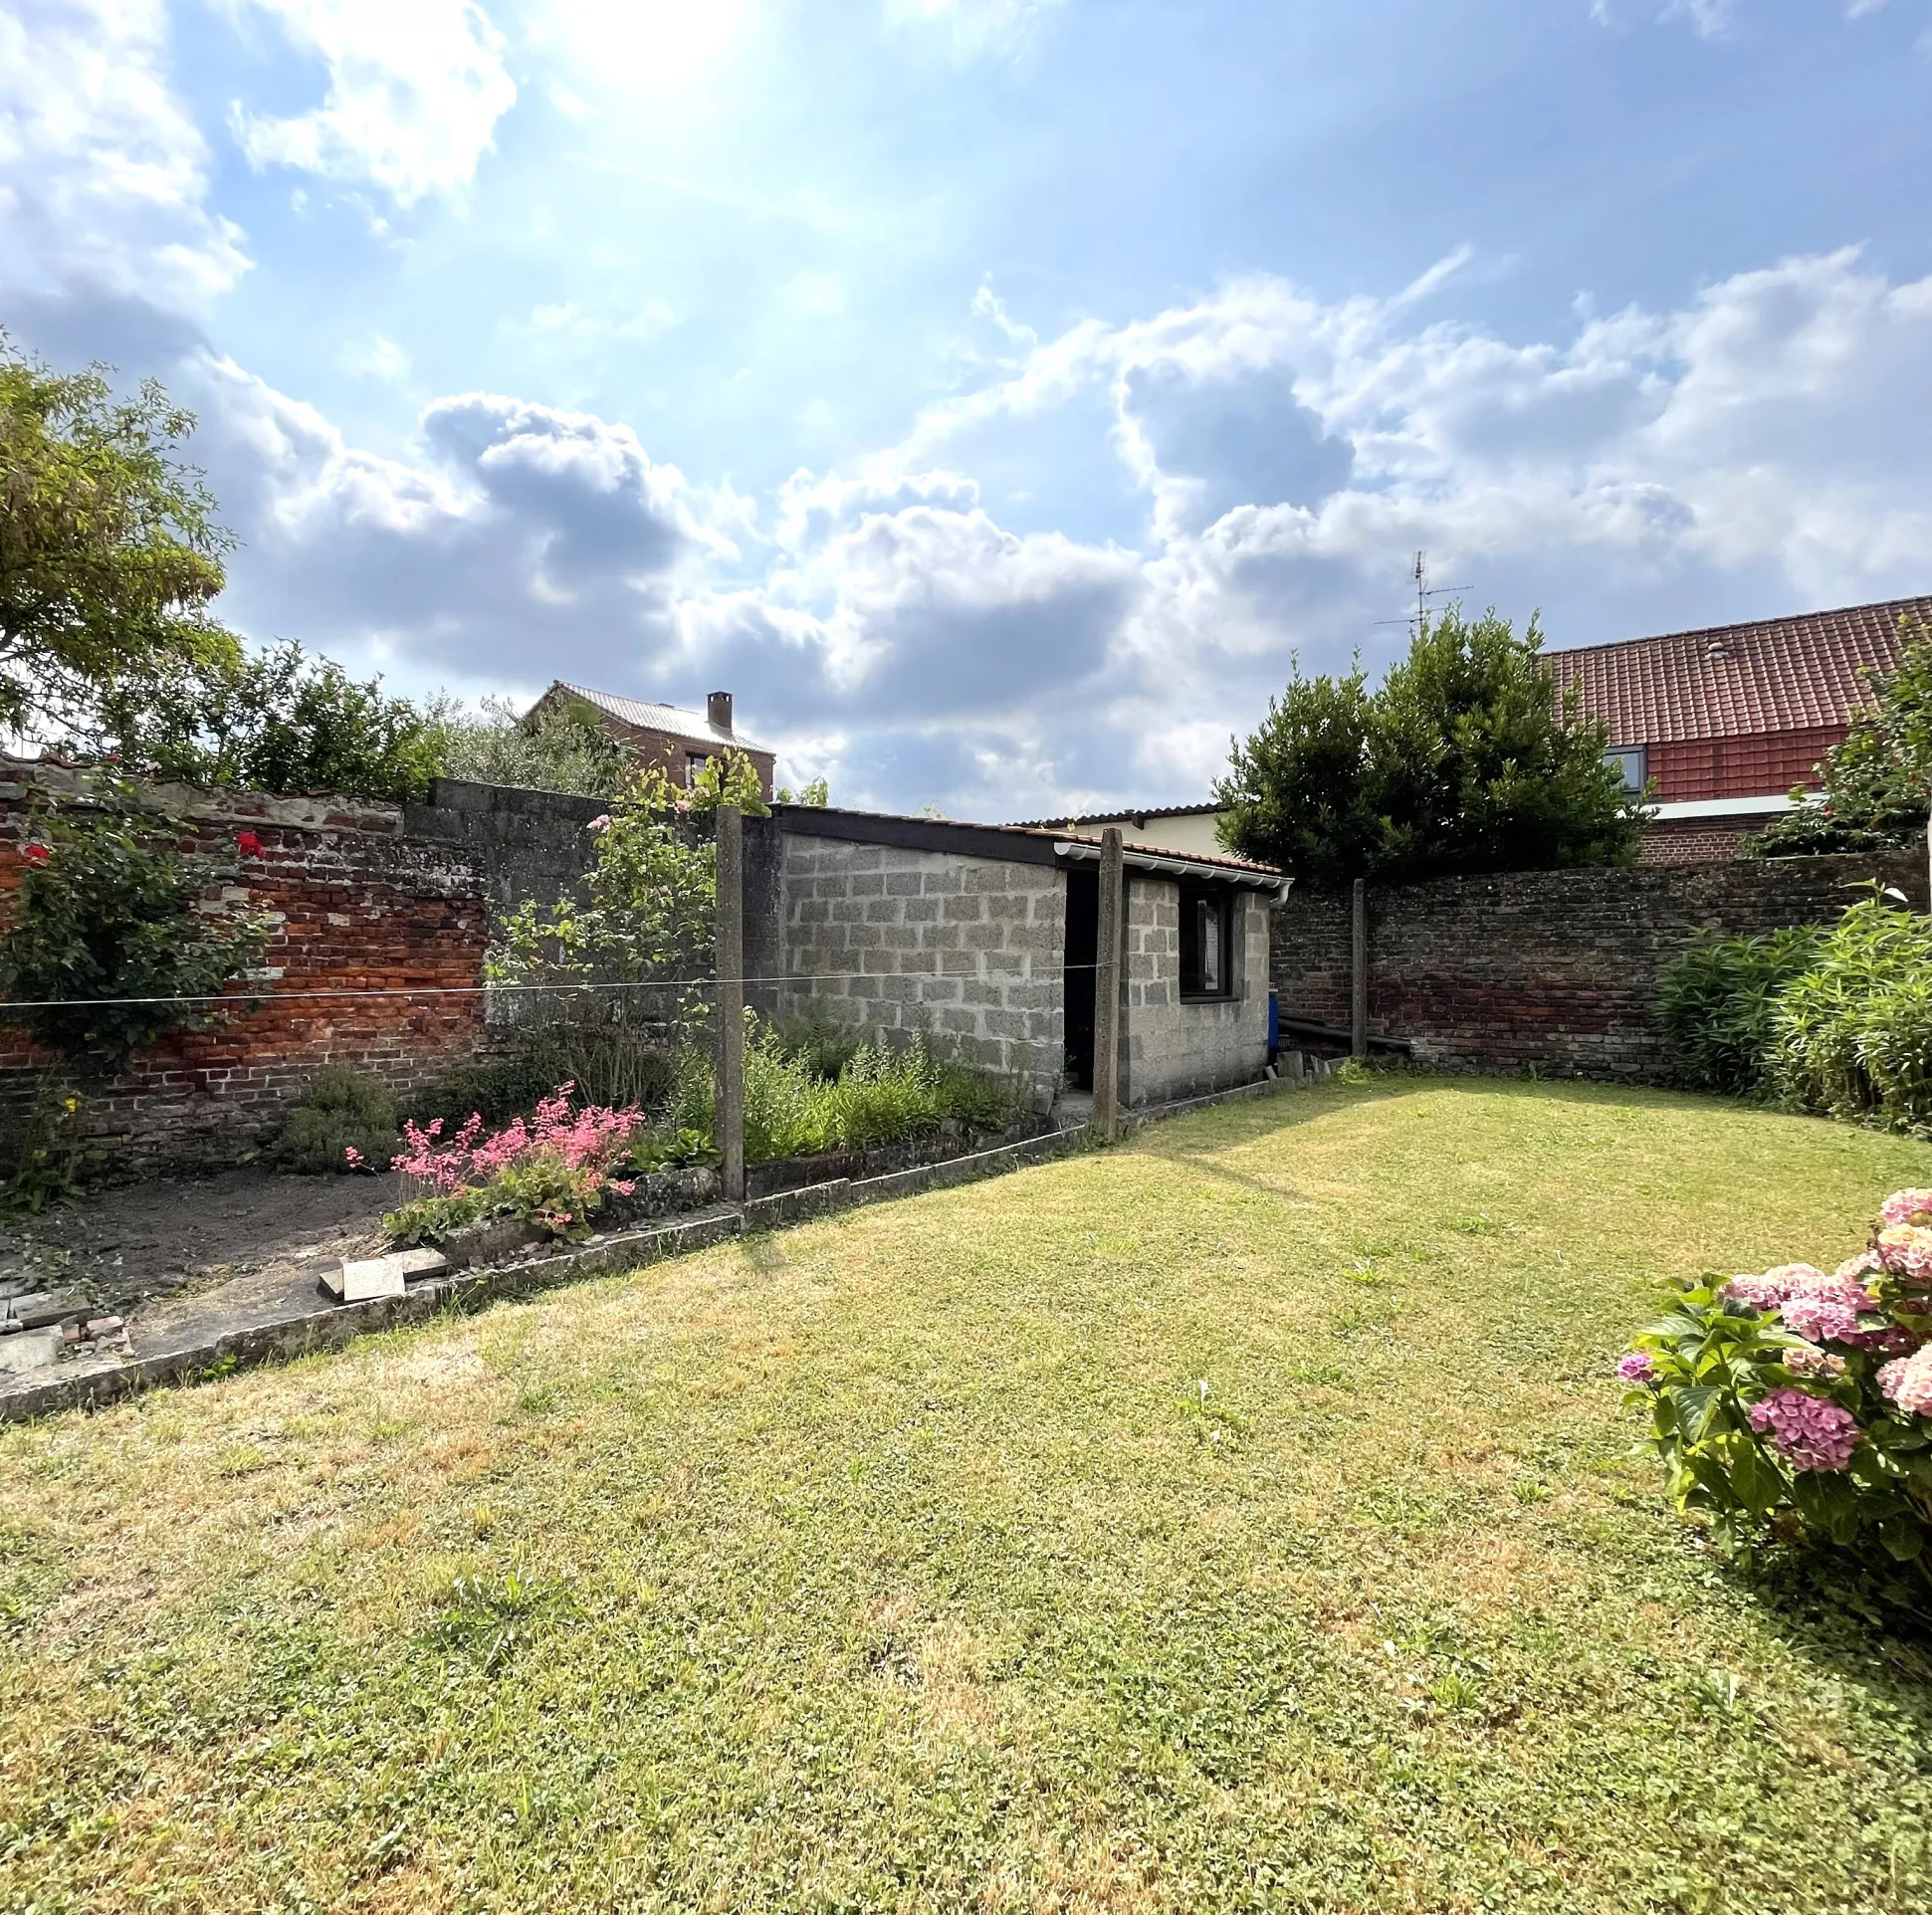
(1240, 1519)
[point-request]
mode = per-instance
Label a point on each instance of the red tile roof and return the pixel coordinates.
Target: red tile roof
(1732, 681)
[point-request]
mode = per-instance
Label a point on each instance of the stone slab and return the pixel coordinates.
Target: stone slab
(29, 1349)
(362, 1279)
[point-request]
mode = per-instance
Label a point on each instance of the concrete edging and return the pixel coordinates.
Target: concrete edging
(329, 1326)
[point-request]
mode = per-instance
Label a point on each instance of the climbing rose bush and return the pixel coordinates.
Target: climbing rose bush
(1796, 1402)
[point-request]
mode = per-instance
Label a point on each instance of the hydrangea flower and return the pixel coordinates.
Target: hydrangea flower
(1760, 1293)
(1864, 1264)
(1636, 1368)
(1809, 1433)
(1907, 1207)
(1809, 1361)
(1907, 1381)
(1905, 1249)
(1824, 1317)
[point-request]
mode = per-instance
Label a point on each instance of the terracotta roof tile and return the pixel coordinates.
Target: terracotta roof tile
(1731, 681)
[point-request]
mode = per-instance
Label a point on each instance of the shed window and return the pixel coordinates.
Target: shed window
(1206, 941)
(693, 766)
(1628, 763)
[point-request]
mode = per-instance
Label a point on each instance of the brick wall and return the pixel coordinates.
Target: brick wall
(1695, 840)
(355, 906)
(1552, 968)
(968, 949)
(1184, 1048)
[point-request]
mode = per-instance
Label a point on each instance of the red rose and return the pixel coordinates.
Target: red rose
(35, 854)
(248, 844)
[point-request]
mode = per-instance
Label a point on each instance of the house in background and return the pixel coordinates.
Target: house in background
(679, 743)
(1162, 827)
(1723, 722)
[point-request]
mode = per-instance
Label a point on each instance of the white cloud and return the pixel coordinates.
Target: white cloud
(415, 92)
(376, 358)
(1652, 470)
(101, 173)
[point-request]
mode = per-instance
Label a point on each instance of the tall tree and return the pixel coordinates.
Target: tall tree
(110, 552)
(1468, 758)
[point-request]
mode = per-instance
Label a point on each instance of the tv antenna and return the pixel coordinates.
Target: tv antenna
(1424, 591)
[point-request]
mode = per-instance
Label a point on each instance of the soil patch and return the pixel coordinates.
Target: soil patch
(182, 1235)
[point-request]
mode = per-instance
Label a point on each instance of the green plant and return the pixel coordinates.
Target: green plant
(647, 920)
(1718, 1003)
(108, 548)
(1879, 780)
(277, 719)
(880, 1094)
(344, 1120)
(557, 747)
(1800, 1401)
(44, 1150)
(106, 949)
(1471, 756)
(1853, 1029)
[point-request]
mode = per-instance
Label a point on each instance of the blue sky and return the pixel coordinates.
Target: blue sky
(994, 394)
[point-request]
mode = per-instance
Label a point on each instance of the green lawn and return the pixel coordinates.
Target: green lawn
(1245, 1518)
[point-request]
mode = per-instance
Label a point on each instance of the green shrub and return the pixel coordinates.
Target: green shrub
(1719, 1003)
(343, 1110)
(882, 1094)
(1853, 1030)
(42, 1149)
(1796, 1402)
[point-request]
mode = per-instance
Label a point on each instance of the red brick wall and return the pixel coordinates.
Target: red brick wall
(1741, 767)
(359, 908)
(1695, 840)
(1557, 969)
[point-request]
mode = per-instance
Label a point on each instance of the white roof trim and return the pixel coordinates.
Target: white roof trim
(1762, 807)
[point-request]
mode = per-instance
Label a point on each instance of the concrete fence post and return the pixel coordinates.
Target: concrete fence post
(1358, 970)
(1106, 984)
(730, 999)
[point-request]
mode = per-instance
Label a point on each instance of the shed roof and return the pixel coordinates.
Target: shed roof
(1019, 843)
(1071, 819)
(1732, 681)
(673, 719)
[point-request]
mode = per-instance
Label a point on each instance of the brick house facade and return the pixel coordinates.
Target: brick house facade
(1721, 723)
(678, 743)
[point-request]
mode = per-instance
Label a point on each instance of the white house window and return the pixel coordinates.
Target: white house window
(1206, 941)
(1628, 763)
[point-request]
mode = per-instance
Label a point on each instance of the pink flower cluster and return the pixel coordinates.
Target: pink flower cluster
(1809, 1361)
(1770, 1290)
(1904, 1249)
(1808, 1431)
(1905, 1207)
(592, 1139)
(1907, 1381)
(1636, 1368)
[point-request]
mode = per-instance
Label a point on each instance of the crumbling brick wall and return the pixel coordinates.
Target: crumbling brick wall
(1556, 969)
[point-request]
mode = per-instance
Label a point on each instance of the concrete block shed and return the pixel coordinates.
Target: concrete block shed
(984, 937)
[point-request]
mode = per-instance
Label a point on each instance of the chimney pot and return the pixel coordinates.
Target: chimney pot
(717, 708)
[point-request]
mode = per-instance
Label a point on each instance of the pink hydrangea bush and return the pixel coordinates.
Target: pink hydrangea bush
(553, 1168)
(1796, 1399)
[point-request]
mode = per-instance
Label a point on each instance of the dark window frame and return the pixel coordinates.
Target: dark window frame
(1225, 899)
(1620, 756)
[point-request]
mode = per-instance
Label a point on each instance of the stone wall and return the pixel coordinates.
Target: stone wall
(1557, 969)
(1184, 1048)
(967, 950)
(373, 959)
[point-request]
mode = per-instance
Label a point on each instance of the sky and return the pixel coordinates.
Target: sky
(998, 396)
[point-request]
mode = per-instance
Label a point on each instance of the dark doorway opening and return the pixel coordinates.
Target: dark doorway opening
(1077, 986)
